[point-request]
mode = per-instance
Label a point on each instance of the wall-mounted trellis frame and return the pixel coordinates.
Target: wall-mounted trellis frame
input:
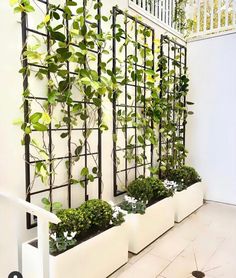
(127, 103)
(173, 85)
(83, 128)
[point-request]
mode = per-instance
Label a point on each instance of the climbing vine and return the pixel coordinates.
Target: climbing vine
(63, 60)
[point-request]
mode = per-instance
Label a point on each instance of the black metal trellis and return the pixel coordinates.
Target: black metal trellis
(26, 31)
(135, 169)
(175, 56)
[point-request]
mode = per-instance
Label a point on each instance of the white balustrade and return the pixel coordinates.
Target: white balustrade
(43, 219)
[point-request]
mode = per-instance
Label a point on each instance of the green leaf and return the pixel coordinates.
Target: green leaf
(71, 3)
(91, 177)
(141, 139)
(58, 36)
(46, 19)
(83, 30)
(29, 8)
(35, 117)
(84, 171)
(40, 127)
(78, 150)
(105, 18)
(46, 119)
(18, 121)
(27, 130)
(97, 101)
(56, 206)
(95, 170)
(52, 97)
(80, 10)
(45, 201)
(64, 135)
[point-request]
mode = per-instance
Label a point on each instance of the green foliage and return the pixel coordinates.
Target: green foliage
(91, 217)
(141, 190)
(184, 176)
(144, 191)
(64, 87)
(159, 190)
(117, 216)
(98, 212)
(54, 206)
(22, 6)
(174, 92)
(131, 205)
(61, 243)
(72, 220)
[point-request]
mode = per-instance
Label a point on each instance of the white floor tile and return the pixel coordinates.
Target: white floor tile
(206, 240)
(149, 266)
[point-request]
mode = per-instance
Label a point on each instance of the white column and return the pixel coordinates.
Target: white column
(43, 246)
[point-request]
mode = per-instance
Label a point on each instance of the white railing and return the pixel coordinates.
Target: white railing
(44, 218)
(205, 16)
(161, 12)
(211, 16)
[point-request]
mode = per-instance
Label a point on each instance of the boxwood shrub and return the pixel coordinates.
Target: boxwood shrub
(148, 190)
(98, 212)
(141, 190)
(72, 220)
(184, 176)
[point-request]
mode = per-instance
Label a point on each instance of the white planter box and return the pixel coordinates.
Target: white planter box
(188, 200)
(144, 229)
(95, 258)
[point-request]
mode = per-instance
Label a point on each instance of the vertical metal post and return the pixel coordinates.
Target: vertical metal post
(135, 96)
(26, 112)
(153, 68)
(50, 125)
(114, 99)
(69, 123)
(144, 104)
(185, 112)
(126, 95)
(161, 95)
(173, 110)
(100, 109)
(85, 121)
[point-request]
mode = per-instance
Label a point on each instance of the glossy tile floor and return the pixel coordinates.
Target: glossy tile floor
(205, 241)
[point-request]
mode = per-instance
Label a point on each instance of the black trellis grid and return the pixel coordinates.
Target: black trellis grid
(26, 30)
(137, 166)
(176, 58)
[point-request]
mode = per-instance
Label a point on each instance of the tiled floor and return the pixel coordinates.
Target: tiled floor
(205, 241)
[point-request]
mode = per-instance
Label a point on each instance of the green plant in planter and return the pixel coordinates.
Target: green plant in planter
(117, 215)
(62, 243)
(98, 212)
(72, 220)
(159, 190)
(131, 205)
(141, 190)
(184, 176)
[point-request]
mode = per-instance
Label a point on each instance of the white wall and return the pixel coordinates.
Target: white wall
(211, 132)
(12, 222)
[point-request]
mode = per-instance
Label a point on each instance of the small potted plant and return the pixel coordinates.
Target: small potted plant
(90, 241)
(189, 190)
(150, 211)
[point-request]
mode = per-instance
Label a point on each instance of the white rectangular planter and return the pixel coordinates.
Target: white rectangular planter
(188, 200)
(144, 229)
(95, 258)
